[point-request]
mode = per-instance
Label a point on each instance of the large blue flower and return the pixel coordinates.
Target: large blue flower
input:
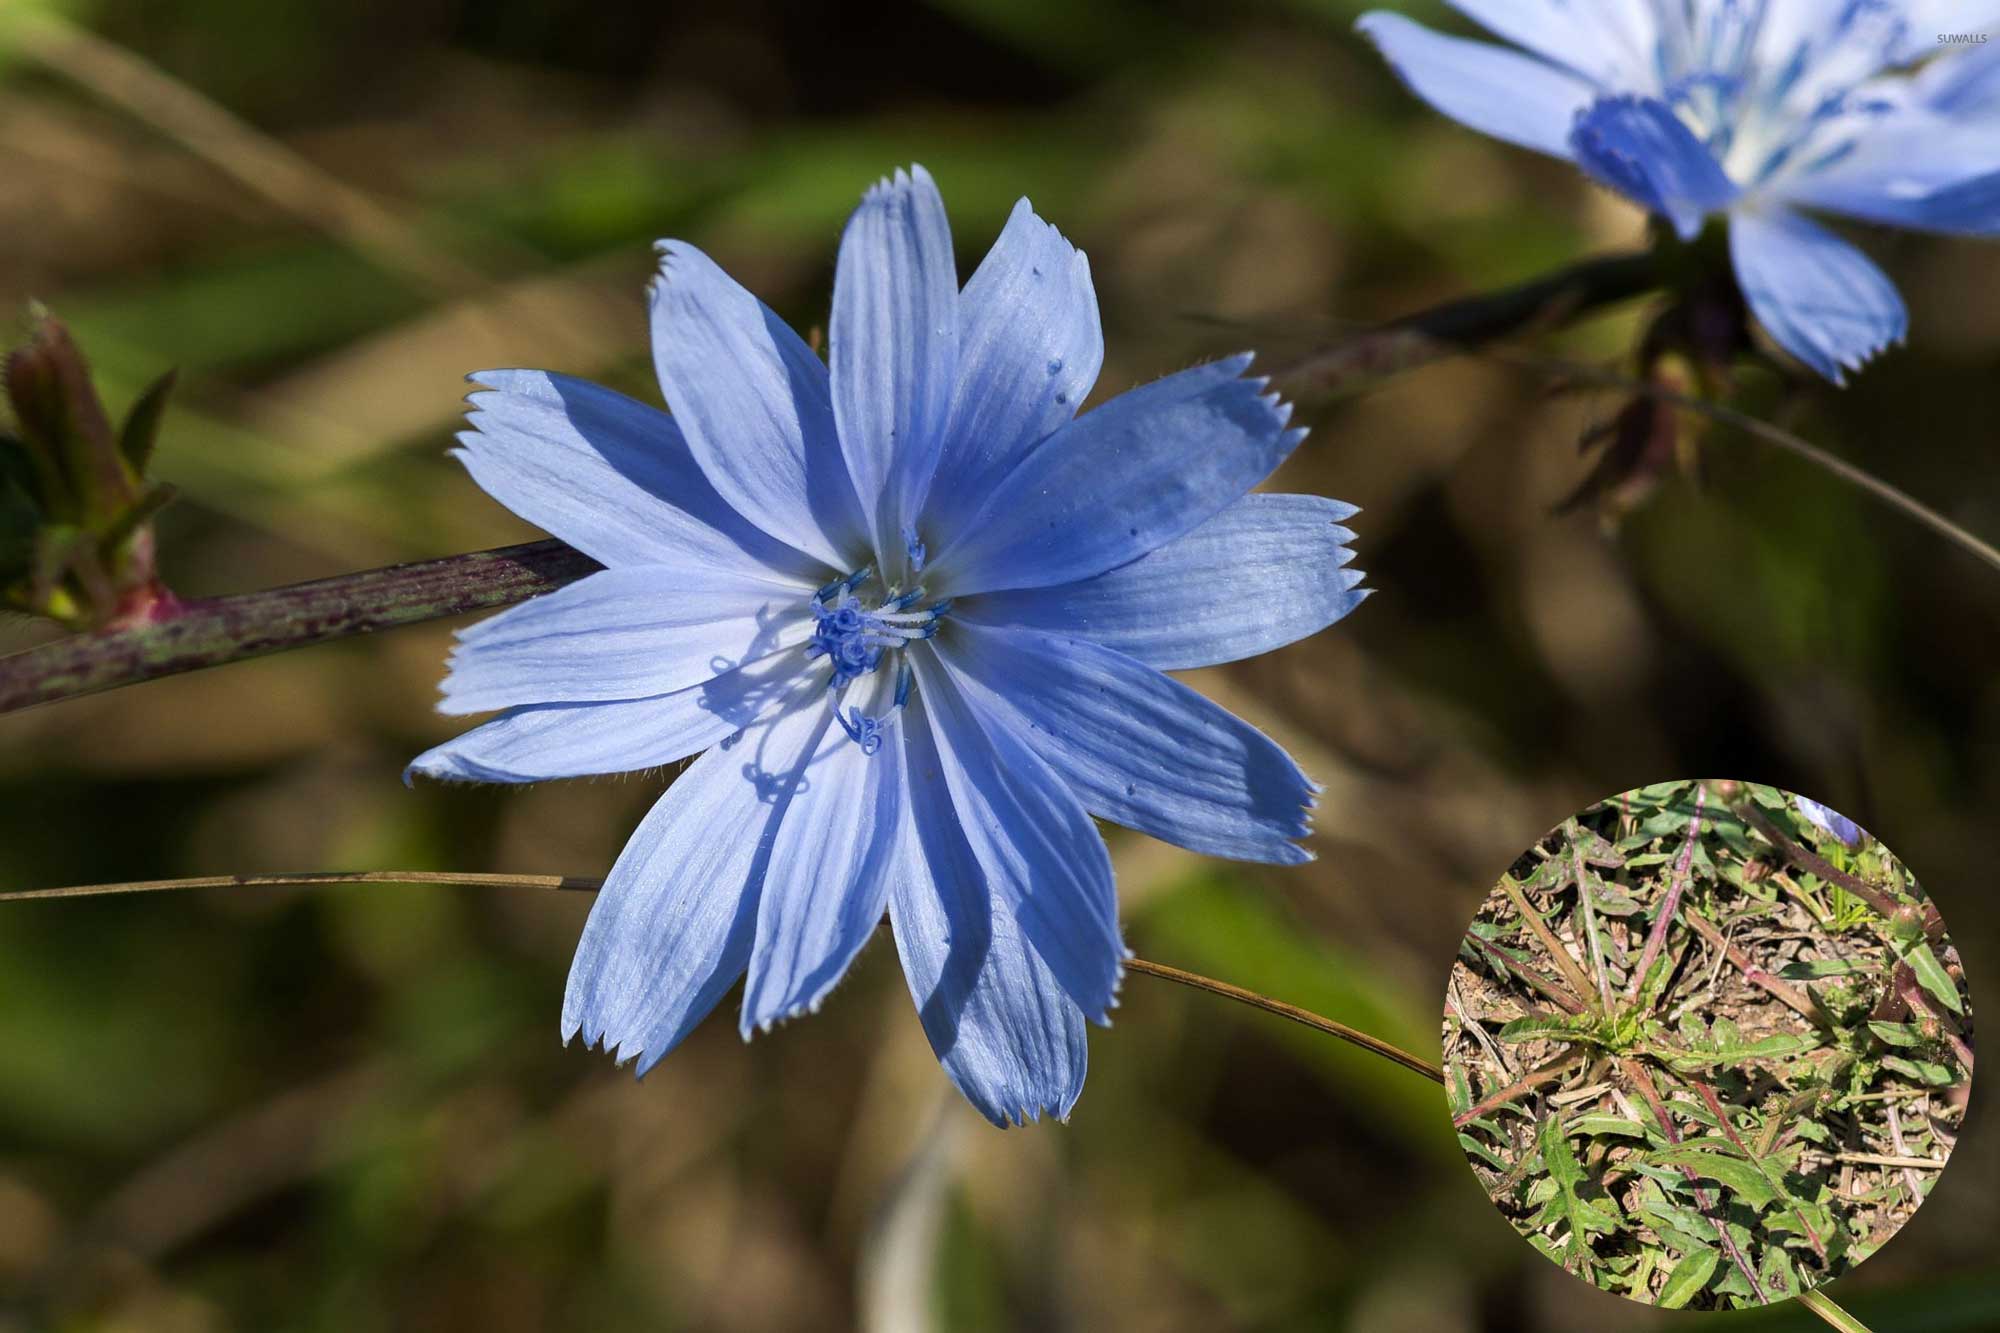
(1754, 108)
(917, 613)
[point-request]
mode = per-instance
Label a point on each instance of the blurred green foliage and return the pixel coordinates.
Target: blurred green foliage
(348, 1108)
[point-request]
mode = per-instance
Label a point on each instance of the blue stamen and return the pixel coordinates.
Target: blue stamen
(864, 731)
(854, 638)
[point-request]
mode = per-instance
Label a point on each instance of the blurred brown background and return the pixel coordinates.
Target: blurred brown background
(348, 1108)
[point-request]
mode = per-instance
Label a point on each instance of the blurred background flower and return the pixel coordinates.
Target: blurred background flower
(347, 1108)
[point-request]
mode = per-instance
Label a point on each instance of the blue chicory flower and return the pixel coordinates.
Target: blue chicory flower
(918, 614)
(1829, 821)
(1755, 109)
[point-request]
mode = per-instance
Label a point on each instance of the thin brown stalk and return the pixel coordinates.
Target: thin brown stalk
(1764, 432)
(308, 879)
(1142, 966)
(1303, 1017)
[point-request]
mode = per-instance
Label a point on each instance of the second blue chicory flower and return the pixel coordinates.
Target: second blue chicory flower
(915, 615)
(1763, 110)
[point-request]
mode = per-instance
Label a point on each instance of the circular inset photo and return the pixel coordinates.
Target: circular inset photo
(1707, 1045)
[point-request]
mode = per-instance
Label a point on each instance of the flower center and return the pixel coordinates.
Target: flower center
(856, 637)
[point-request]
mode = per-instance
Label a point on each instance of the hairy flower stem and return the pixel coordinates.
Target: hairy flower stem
(214, 631)
(1449, 329)
(311, 879)
(184, 636)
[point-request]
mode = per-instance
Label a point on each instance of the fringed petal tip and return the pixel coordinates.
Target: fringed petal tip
(750, 1027)
(1022, 1116)
(637, 1057)
(902, 178)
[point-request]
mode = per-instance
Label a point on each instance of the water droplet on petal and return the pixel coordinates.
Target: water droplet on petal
(1055, 366)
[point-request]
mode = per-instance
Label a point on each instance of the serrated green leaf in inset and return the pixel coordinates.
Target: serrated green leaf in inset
(1687, 1279)
(1927, 1072)
(1741, 1178)
(1937, 982)
(1541, 1028)
(1897, 1034)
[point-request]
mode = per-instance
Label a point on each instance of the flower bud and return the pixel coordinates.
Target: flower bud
(76, 540)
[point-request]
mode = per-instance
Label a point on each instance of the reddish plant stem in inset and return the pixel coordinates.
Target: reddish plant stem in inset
(1904, 983)
(1812, 862)
(1682, 867)
(1578, 869)
(1783, 991)
(1704, 1198)
(1721, 1114)
(1528, 1082)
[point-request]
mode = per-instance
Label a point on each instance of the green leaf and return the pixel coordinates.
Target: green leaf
(1542, 1028)
(1923, 1071)
(1582, 1216)
(1674, 1219)
(1935, 980)
(1897, 1034)
(1558, 1161)
(1741, 1178)
(1687, 1279)
(1777, 1276)
(1606, 1124)
(1815, 968)
(142, 424)
(1472, 1147)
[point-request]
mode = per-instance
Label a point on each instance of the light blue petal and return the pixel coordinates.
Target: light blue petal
(1137, 747)
(1965, 208)
(1040, 855)
(1829, 821)
(894, 347)
(1030, 347)
(1818, 297)
(1924, 21)
(1963, 84)
(753, 402)
(1264, 572)
(624, 634)
(829, 878)
(1122, 480)
(538, 742)
(1489, 88)
(609, 475)
(672, 928)
(1614, 45)
(1920, 170)
(1640, 148)
(1002, 1026)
